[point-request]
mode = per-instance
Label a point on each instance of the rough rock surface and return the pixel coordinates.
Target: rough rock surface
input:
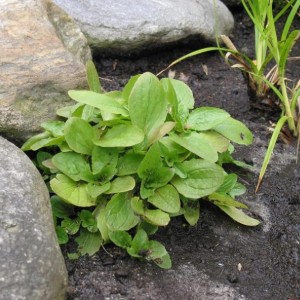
(42, 56)
(127, 26)
(32, 266)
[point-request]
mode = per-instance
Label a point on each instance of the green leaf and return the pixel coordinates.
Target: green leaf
(137, 206)
(203, 178)
(166, 198)
(79, 135)
(34, 139)
(228, 183)
(73, 165)
(151, 171)
(205, 118)
(184, 93)
(191, 211)
(128, 87)
(178, 113)
(156, 217)
(92, 77)
(129, 163)
(147, 104)
(235, 131)
(238, 190)
(61, 234)
(153, 179)
(149, 228)
(103, 159)
(151, 161)
(55, 127)
(181, 99)
(40, 158)
(223, 199)
(88, 242)
(119, 214)
(239, 216)
(121, 185)
(195, 143)
(123, 135)
(164, 262)
(159, 255)
(100, 213)
(161, 132)
(73, 192)
(140, 243)
(103, 102)
(60, 208)
(216, 140)
(50, 141)
(71, 226)
(96, 190)
(172, 151)
(121, 238)
(88, 220)
(67, 111)
(157, 250)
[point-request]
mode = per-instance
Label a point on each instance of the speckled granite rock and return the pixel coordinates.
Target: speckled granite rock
(32, 266)
(43, 55)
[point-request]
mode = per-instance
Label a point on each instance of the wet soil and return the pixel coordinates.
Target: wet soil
(217, 258)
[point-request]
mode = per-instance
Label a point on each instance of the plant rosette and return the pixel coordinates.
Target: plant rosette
(123, 163)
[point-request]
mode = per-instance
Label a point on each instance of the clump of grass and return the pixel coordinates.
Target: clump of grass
(266, 72)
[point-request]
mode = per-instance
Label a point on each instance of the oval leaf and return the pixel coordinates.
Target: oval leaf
(122, 135)
(216, 140)
(79, 135)
(101, 101)
(195, 143)
(71, 191)
(147, 104)
(121, 184)
(205, 118)
(203, 178)
(73, 165)
(119, 214)
(166, 198)
(156, 217)
(235, 131)
(121, 238)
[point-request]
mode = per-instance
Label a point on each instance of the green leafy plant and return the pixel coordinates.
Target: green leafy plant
(264, 79)
(123, 163)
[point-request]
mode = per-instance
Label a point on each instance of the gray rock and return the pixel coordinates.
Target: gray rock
(32, 266)
(43, 53)
(123, 26)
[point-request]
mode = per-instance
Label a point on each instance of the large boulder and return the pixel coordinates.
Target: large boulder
(32, 266)
(43, 55)
(123, 26)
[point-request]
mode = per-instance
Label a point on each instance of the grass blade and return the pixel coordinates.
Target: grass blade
(270, 149)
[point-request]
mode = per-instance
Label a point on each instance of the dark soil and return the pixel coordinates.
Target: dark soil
(218, 258)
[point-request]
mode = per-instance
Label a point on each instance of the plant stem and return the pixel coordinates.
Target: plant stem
(288, 111)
